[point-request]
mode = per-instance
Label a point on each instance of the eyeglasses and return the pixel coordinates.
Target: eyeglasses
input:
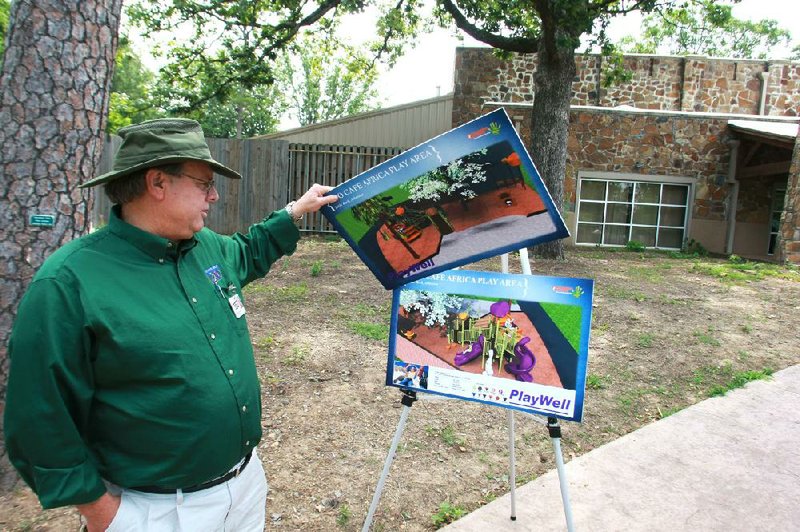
(205, 186)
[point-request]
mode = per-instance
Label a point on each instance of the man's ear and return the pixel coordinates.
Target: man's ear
(155, 181)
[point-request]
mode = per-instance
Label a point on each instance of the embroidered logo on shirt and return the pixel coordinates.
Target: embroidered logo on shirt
(214, 273)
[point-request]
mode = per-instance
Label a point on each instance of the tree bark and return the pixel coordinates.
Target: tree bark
(550, 126)
(54, 87)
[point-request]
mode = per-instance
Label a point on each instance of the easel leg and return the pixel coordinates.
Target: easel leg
(512, 474)
(408, 398)
(555, 436)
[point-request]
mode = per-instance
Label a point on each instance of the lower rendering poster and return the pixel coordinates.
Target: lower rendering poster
(516, 341)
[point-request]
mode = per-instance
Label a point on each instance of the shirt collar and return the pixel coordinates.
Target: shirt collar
(158, 247)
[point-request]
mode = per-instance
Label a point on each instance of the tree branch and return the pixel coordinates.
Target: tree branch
(509, 44)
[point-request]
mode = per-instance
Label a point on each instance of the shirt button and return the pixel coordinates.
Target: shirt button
(213, 336)
(169, 244)
(230, 372)
(244, 408)
(194, 300)
(161, 261)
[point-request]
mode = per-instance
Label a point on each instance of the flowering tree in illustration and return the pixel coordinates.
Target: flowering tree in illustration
(433, 306)
(449, 182)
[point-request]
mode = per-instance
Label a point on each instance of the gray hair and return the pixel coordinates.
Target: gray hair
(128, 188)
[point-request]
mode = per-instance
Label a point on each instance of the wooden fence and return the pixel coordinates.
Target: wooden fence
(274, 172)
(329, 165)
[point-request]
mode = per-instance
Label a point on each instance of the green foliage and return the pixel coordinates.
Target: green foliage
(131, 99)
(217, 50)
(448, 436)
(614, 71)
(278, 294)
(635, 245)
(624, 293)
(738, 270)
(264, 342)
(297, 356)
(316, 268)
(5, 8)
(596, 382)
(447, 513)
(245, 113)
(373, 331)
(344, 515)
(645, 340)
(706, 338)
(705, 27)
(326, 79)
(738, 380)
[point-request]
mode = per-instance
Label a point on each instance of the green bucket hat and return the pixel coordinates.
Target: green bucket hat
(158, 142)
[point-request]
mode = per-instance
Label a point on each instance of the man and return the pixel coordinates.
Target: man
(132, 390)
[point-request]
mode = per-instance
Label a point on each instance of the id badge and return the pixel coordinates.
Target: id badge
(236, 305)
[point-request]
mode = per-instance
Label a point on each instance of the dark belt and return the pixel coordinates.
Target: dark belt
(199, 487)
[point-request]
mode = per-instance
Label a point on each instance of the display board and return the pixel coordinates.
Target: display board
(516, 341)
(467, 194)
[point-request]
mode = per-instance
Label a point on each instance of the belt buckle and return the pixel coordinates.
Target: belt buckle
(245, 461)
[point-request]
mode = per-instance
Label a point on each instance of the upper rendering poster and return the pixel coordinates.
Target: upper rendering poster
(465, 195)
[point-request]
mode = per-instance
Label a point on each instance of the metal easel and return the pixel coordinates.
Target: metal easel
(554, 429)
(407, 399)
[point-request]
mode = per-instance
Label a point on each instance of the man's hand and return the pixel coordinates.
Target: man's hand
(313, 200)
(100, 513)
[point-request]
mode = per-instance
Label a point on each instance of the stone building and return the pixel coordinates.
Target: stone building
(690, 149)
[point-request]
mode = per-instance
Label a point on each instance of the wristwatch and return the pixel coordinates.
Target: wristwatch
(290, 210)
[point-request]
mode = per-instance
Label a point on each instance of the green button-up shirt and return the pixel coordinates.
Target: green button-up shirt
(129, 364)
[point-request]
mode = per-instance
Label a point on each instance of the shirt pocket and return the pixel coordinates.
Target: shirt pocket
(225, 290)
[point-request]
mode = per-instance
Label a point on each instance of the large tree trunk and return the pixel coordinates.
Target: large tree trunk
(550, 125)
(55, 86)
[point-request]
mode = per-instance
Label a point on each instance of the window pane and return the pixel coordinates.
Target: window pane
(595, 190)
(675, 194)
(645, 235)
(670, 238)
(647, 192)
(589, 233)
(618, 191)
(772, 241)
(645, 215)
(618, 213)
(775, 222)
(672, 216)
(591, 212)
(616, 235)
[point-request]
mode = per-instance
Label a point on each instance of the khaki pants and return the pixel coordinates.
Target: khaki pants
(236, 505)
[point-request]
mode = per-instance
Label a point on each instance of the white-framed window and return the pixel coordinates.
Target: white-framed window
(778, 196)
(613, 211)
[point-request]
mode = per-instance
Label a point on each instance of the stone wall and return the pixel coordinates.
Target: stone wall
(648, 143)
(667, 83)
(660, 135)
(789, 243)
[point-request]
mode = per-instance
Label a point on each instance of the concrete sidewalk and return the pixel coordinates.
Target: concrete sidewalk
(728, 463)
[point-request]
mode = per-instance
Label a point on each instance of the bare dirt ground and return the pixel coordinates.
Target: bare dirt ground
(665, 332)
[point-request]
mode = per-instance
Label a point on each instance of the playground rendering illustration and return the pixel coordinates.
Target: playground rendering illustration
(494, 349)
(470, 193)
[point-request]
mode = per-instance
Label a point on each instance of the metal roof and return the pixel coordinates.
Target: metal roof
(782, 131)
(402, 126)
